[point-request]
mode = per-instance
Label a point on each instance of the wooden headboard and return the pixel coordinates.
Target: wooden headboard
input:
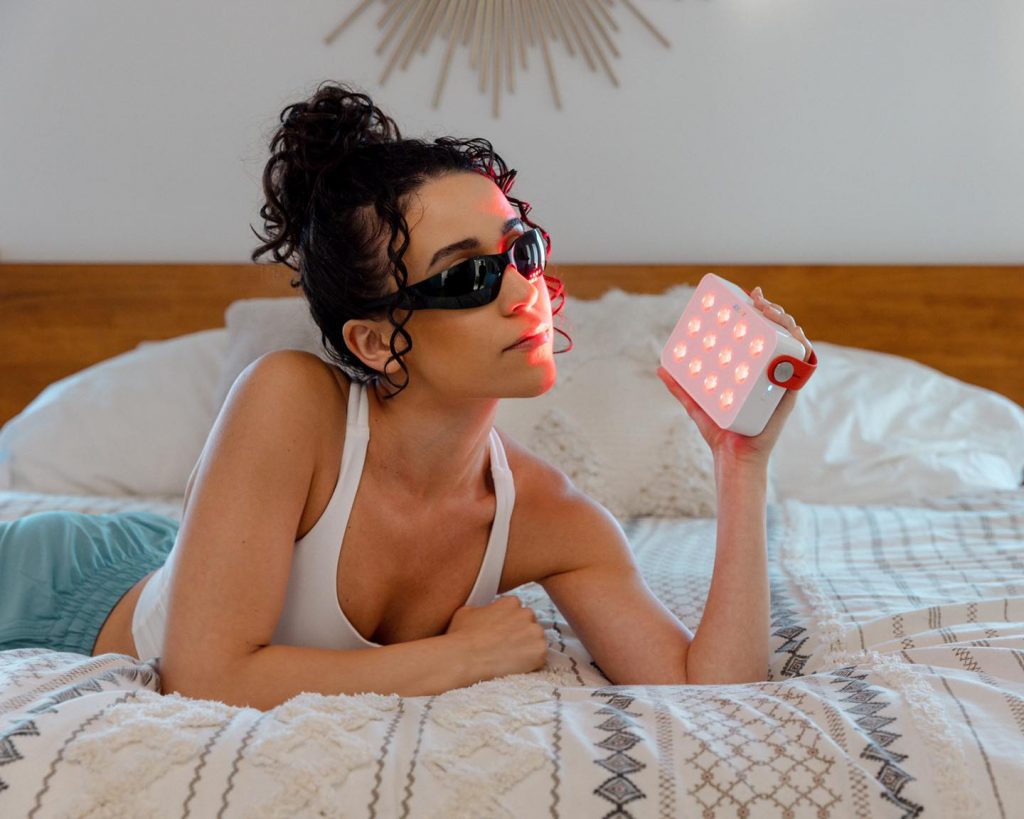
(966, 321)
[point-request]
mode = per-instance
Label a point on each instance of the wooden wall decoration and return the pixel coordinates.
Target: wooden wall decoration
(496, 32)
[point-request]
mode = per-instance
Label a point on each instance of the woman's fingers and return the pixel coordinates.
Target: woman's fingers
(692, 408)
(782, 318)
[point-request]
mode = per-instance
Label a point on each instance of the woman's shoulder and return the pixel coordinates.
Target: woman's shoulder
(320, 373)
(322, 387)
(535, 479)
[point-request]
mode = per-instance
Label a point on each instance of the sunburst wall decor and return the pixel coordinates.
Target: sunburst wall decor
(497, 30)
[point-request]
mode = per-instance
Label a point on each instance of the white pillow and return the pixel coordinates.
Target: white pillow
(134, 424)
(875, 428)
(868, 428)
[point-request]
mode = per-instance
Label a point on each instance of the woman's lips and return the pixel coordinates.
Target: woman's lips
(532, 342)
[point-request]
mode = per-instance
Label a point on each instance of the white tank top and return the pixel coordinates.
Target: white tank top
(312, 615)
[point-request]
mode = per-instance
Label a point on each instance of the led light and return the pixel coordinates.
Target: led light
(721, 351)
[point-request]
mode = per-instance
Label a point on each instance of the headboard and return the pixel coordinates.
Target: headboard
(967, 321)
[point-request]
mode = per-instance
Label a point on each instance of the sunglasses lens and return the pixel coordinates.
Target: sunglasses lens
(529, 254)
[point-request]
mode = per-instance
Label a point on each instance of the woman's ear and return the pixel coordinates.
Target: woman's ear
(369, 341)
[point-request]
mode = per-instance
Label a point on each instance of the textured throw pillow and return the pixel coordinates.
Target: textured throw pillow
(134, 424)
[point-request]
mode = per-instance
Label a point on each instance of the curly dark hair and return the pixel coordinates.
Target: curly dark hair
(339, 171)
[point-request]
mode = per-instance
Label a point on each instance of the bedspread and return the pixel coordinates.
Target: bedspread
(896, 688)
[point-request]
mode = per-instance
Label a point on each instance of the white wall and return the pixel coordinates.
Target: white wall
(772, 131)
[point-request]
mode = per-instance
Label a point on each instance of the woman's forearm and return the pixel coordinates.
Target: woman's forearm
(731, 644)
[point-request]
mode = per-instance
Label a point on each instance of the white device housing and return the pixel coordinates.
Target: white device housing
(721, 351)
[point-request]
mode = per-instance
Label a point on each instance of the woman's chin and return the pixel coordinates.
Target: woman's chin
(538, 381)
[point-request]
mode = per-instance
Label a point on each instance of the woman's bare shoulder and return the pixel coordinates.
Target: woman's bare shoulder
(322, 374)
(534, 476)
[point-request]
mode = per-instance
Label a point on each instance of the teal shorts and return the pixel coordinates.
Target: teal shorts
(62, 573)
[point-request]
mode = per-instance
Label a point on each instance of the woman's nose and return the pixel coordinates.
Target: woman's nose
(524, 292)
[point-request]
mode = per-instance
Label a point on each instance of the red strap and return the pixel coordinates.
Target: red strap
(802, 370)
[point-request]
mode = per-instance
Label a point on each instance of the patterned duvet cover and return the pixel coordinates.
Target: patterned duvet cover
(896, 689)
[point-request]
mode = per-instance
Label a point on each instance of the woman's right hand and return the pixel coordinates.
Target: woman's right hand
(501, 638)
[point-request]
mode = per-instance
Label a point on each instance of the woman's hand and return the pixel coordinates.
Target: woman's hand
(732, 445)
(501, 638)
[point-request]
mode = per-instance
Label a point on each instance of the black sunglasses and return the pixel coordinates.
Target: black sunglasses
(475, 282)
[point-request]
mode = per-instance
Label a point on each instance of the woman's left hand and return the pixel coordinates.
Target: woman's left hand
(732, 445)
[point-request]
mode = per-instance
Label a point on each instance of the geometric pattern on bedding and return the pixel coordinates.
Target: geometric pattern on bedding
(896, 689)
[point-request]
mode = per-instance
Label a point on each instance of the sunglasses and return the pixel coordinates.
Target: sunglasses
(476, 282)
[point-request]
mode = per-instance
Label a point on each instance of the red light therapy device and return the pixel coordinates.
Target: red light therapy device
(731, 359)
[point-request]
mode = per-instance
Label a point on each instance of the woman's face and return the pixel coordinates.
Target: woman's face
(464, 352)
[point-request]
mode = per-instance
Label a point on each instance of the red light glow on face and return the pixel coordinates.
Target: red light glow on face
(694, 326)
(695, 366)
(725, 356)
(709, 341)
(679, 351)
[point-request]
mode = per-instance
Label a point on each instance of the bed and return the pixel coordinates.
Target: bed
(895, 536)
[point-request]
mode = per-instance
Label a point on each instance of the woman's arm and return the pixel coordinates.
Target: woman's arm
(628, 631)
(275, 673)
(732, 642)
(733, 639)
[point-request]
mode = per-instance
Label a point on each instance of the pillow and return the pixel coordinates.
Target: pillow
(262, 325)
(868, 428)
(875, 428)
(134, 424)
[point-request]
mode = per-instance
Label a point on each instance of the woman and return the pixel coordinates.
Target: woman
(371, 503)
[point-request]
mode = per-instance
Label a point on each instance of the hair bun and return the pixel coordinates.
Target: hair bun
(332, 124)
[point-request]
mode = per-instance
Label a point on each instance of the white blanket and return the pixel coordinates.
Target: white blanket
(896, 689)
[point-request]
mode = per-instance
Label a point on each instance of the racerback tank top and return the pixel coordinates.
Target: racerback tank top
(312, 615)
